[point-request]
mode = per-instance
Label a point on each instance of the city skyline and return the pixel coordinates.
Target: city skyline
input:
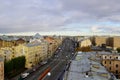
(56, 16)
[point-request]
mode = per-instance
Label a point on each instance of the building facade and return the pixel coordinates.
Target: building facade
(114, 42)
(99, 40)
(35, 53)
(85, 43)
(1, 68)
(112, 63)
(52, 45)
(5, 41)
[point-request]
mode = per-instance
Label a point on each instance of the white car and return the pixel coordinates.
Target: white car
(44, 62)
(24, 75)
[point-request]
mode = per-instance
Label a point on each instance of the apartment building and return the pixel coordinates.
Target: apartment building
(99, 40)
(85, 43)
(114, 42)
(112, 63)
(6, 41)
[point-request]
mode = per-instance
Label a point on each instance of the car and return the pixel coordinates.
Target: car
(44, 62)
(59, 48)
(24, 75)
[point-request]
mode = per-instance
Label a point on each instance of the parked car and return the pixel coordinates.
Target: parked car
(44, 62)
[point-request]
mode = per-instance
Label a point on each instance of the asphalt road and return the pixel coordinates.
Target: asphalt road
(57, 63)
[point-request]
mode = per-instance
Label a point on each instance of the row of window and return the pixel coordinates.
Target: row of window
(116, 71)
(110, 57)
(110, 63)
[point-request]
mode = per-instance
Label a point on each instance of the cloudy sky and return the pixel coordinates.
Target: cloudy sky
(60, 15)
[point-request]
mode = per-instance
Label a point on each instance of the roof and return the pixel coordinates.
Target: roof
(36, 43)
(8, 38)
(37, 36)
(49, 39)
(83, 64)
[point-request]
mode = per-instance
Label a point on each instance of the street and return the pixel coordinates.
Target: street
(57, 63)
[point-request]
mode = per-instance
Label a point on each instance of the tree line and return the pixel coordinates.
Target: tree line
(14, 65)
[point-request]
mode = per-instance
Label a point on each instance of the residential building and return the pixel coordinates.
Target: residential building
(114, 42)
(52, 45)
(6, 41)
(99, 40)
(35, 53)
(112, 63)
(7, 53)
(1, 68)
(85, 43)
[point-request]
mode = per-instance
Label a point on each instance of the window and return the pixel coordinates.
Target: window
(110, 57)
(105, 62)
(116, 71)
(116, 65)
(109, 68)
(105, 57)
(116, 57)
(110, 62)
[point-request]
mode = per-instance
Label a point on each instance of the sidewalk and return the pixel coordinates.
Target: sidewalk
(26, 71)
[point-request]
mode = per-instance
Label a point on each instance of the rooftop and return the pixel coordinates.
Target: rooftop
(85, 67)
(35, 43)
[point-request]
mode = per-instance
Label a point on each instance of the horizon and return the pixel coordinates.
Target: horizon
(61, 33)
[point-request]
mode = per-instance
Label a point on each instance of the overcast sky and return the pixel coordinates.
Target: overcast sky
(59, 15)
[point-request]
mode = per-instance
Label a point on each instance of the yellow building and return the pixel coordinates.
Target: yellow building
(114, 42)
(35, 53)
(85, 43)
(52, 45)
(7, 53)
(99, 40)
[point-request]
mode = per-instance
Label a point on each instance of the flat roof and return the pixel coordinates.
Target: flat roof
(83, 65)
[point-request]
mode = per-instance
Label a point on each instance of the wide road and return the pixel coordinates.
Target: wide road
(57, 62)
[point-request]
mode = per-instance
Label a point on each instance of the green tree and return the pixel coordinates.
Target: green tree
(118, 50)
(15, 64)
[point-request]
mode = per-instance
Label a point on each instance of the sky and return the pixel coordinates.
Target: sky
(85, 16)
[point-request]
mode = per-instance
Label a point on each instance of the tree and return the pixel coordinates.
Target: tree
(15, 64)
(118, 50)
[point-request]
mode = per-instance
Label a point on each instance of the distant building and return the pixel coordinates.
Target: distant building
(114, 42)
(85, 43)
(99, 40)
(1, 68)
(53, 44)
(110, 42)
(8, 41)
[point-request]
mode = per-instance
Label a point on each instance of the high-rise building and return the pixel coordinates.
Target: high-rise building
(99, 40)
(114, 42)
